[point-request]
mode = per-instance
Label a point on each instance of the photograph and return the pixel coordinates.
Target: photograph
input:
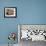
(10, 12)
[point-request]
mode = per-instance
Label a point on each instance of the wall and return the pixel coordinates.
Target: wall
(28, 12)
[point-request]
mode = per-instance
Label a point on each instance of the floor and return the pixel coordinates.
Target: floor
(30, 43)
(7, 45)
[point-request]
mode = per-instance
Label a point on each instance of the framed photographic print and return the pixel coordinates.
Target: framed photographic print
(10, 12)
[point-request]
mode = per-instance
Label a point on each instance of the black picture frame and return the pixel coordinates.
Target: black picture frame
(10, 12)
